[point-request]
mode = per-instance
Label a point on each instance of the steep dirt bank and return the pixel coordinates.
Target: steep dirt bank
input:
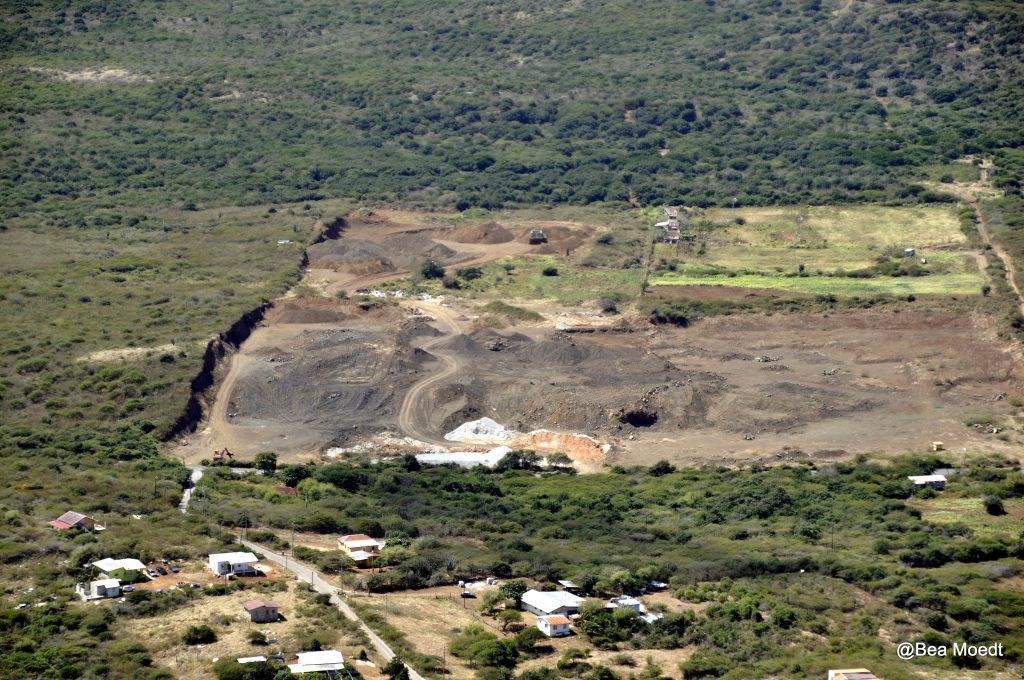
(219, 349)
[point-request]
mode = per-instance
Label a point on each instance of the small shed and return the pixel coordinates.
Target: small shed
(554, 626)
(107, 587)
(76, 520)
(852, 674)
(909, 252)
(937, 482)
(262, 611)
(625, 603)
(328, 661)
(238, 563)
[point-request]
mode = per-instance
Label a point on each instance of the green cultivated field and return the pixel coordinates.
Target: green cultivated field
(765, 248)
(951, 284)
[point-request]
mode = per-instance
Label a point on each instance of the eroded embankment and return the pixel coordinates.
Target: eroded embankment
(220, 348)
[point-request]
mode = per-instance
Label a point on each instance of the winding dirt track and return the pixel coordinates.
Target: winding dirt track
(414, 415)
(1011, 272)
(968, 196)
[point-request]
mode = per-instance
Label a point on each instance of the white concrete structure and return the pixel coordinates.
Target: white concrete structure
(934, 481)
(852, 674)
(547, 603)
(98, 590)
(554, 626)
(328, 661)
(233, 563)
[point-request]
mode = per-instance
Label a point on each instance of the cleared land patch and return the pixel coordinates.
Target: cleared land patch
(842, 251)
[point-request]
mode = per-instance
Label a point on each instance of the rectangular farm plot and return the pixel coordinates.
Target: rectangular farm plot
(765, 248)
(861, 226)
(938, 284)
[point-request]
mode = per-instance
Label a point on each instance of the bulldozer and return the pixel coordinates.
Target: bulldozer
(537, 236)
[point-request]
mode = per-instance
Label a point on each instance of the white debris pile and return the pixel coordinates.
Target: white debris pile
(483, 430)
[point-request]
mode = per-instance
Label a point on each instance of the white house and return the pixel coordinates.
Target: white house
(112, 568)
(548, 603)
(355, 542)
(934, 481)
(107, 587)
(554, 626)
(328, 661)
(233, 563)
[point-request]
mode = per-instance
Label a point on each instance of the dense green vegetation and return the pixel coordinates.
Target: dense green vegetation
(490, 104)
(154, 287)
(779, 550)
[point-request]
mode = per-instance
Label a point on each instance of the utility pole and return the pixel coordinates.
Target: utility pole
(444, 660)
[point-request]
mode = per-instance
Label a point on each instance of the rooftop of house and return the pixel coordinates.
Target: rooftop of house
(360, 555)
(234, 557)
(252, 605)
(557, 620)
(312, 662)
(926, 479)
(854, 674)
(107, 583)
(70, 519)
(108, 564)
(550, 600)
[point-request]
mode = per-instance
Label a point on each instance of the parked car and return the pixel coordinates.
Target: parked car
(127, 589)
(174, 568)
(151, 573)
(467, 594)
(163, 572)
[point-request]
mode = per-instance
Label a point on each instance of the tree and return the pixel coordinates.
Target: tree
(661, 468)
(199, 635)
(431, 270)
(495, 652)
(395, 669)
(291, 475)
(527, 639)
(335, 562)
(266, 461)
(550, 271)
(508, 617)
(994, 505)
(514, 589)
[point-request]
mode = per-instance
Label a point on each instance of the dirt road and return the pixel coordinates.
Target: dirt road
(186, 495)
(1011, 272)
(969, 196)
(304, 573)
(414, 416)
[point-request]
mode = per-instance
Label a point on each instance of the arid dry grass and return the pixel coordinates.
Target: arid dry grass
(162, 634)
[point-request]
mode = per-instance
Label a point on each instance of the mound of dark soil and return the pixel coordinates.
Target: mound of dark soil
(488, 232)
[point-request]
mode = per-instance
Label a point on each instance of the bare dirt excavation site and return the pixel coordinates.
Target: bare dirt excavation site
(322, 375)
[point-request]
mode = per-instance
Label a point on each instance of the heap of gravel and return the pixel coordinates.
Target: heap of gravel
(484, 429)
